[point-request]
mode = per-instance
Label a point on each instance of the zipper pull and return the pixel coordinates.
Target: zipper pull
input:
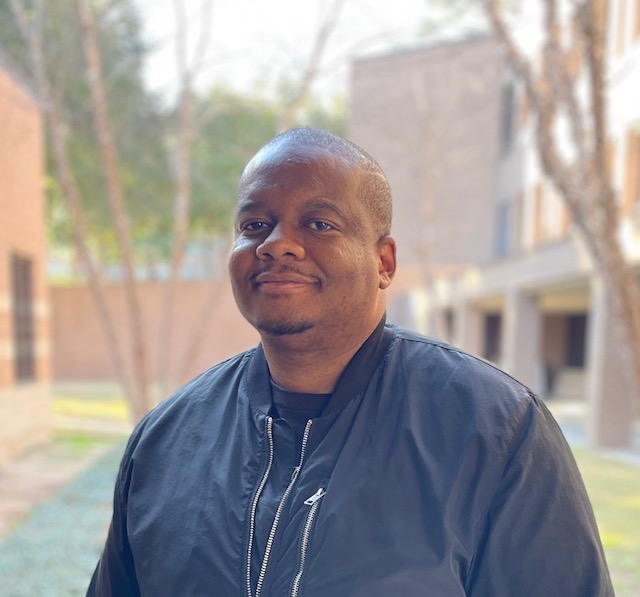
(315, 497)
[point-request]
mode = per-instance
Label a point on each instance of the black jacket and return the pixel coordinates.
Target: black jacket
(430, 473)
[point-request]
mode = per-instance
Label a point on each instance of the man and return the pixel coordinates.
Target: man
(343, 457)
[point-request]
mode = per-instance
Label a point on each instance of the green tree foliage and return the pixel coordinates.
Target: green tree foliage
(459, 16)
(139, 124)
(229, 128)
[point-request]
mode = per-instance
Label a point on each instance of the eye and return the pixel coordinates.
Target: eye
(320, 226)
(253, 226)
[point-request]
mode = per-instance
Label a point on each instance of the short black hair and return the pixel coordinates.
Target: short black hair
(374, 187)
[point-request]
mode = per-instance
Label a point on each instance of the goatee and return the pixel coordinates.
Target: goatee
(283, 328)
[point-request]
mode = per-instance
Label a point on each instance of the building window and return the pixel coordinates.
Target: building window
(508, 117)
(504, 229)
(23, 328)
(449, 325)
(632, 188)
(576, 340)
(493, 337)
(551, 217)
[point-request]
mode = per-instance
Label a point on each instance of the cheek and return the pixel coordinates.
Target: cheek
(241, 256)
(360, 270)
(242, 244)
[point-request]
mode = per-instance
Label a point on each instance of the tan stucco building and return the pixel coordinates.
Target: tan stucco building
(500, 271)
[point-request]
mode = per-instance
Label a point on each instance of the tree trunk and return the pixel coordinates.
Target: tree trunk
(584, 185)
(182, 202)
(141, 403)
(31, 33)
(288, 116)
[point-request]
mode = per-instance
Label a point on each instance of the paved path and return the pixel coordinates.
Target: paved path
(53, 551)
(37, 475)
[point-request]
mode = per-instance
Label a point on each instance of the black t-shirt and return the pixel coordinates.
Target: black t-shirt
(297, 408)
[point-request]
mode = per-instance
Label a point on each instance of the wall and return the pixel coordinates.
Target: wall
(80, 349)
(430, 117)
(24, 408)
(81, 352)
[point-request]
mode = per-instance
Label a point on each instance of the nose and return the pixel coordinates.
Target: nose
(281, 243)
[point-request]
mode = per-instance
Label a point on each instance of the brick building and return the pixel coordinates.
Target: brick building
(25, 417)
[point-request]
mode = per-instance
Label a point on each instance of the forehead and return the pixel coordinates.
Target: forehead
(295, 169)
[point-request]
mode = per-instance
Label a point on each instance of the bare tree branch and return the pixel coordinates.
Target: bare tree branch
(561, 173)
(198, 331)
(204, 39)
(311, 70)
(182, 202)
(585, 185)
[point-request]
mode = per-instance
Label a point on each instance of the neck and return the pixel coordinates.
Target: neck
(297, 364)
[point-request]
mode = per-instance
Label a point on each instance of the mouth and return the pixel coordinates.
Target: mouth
(283, 281)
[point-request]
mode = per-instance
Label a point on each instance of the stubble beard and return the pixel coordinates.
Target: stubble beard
(283, 328)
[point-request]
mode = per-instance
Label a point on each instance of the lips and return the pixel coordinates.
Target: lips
(285, 279)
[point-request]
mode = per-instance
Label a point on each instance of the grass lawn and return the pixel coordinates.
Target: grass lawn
(90, 401)
(105, 408)
(76, 444)
(614, 489)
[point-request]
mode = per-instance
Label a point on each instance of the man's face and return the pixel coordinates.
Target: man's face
(306, 258)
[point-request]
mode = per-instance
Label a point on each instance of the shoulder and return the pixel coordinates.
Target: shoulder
(204, 397)
(451, 383)
(207, 385)
(441, 361)
(476, 411)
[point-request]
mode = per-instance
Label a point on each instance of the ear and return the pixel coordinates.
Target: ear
(387, 260)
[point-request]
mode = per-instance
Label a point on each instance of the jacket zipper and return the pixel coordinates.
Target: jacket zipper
(314, 502)
(254, 505)
(276, 518)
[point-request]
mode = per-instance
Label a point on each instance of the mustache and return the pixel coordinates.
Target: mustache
(283, 269)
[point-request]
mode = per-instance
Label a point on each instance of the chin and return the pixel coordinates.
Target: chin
(283, 328)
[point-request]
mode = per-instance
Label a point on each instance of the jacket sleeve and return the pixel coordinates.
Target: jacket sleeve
(115, 574)
(540, 536)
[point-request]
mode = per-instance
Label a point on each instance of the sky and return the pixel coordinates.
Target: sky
(256, 42)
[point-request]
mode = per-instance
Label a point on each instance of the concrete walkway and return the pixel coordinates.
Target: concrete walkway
(38, 475)
(53, 551)
(40, 472)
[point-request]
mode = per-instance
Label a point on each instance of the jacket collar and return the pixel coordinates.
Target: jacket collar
(353, 381)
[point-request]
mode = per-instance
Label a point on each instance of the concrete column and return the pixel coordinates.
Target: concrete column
(436, 324)
(610, 388)
(432, 318)
(401, 311)
(468, 332)
(522, 337)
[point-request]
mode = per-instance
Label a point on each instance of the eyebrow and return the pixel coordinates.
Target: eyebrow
(252, 205)
(324, 204)
(248, 205)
